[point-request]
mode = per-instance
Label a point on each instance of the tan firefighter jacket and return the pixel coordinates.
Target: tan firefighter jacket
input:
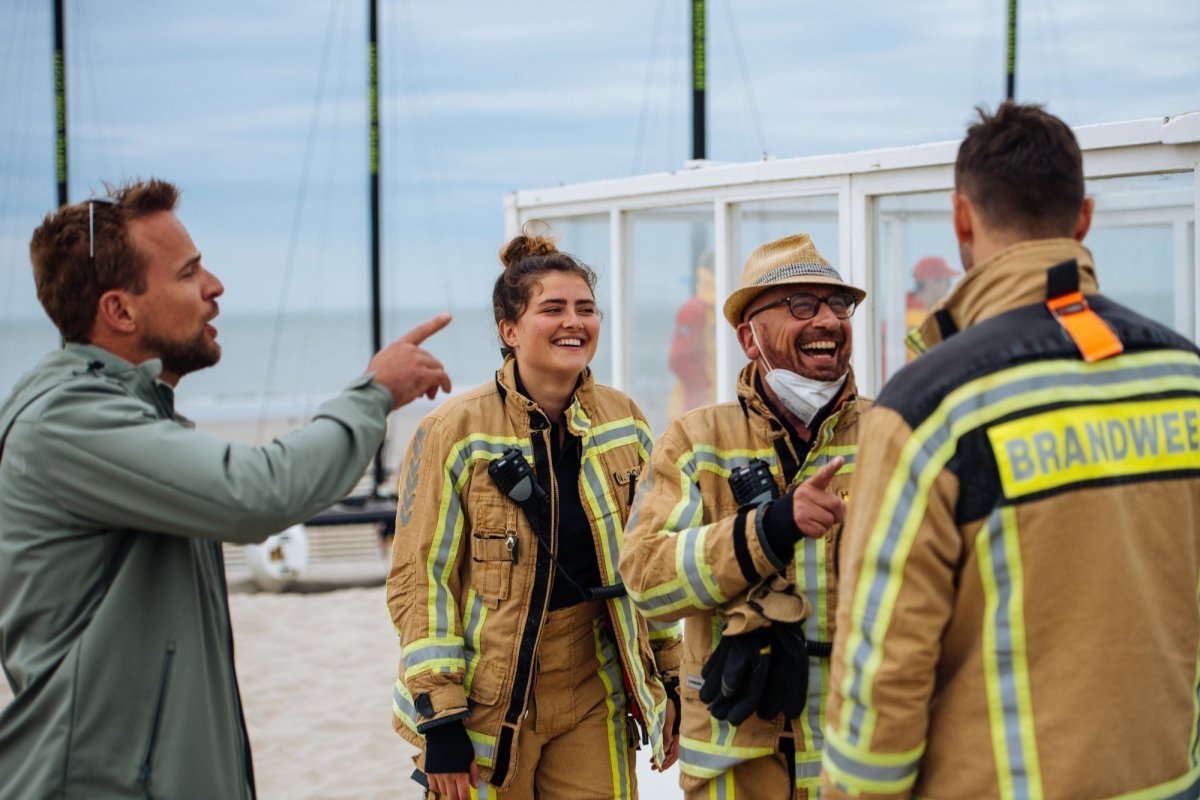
(469, 585)
(1021, 560)
(690, 555)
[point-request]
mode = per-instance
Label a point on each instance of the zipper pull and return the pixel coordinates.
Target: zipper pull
(633, 479)
(513, 546)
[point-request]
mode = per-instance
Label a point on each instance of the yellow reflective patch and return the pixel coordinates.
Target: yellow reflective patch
(1084, 443)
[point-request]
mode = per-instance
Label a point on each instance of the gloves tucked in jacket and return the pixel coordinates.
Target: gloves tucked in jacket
(786, 689)
(735, 675)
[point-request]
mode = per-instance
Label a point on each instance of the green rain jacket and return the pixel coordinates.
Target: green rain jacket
(114, 621)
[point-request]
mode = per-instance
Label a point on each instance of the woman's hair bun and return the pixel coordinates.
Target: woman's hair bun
(535, 239)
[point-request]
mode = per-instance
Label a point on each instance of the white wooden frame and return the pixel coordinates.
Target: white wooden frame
(1140, 147)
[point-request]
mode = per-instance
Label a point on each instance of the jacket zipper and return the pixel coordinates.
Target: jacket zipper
(539, 597)
(160, 701)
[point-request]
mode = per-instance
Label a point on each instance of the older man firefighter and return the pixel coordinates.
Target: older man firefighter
(736, 529)
(1020, 614)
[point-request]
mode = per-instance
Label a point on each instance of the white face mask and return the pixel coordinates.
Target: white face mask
(802, 396)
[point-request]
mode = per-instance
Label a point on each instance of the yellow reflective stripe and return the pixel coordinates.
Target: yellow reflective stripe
(1185, 786)
(610, 675)
(484, 745)
(402, 705)
(927, 451)
(1005, 657)
(707, 760)
(859, 771)
(657, 630)
(1194, 751)
(1081, 443)
(447, 536)
(473, 628)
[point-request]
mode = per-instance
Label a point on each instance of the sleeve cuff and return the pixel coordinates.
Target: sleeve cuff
(778, 529)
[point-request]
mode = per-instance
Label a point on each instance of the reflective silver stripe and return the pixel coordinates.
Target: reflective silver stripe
(1004, 655)
(1091, 379)
(485, 752)
(709, 762)
(415, 658)
(465, 453)
(808, 769)
(403, 707)
(905, 773)
(692, 542)
(610, 667)
(475, 614)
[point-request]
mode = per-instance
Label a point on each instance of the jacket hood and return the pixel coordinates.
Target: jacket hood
(61, 366)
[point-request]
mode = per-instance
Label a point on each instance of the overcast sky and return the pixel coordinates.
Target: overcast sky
(484, 97)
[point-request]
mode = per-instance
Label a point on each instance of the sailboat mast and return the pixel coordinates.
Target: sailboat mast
(1011, 59)
(699, 67)
(60, 101)
(373, 159)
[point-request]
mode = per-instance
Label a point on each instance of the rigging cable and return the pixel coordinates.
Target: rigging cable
(289, 259)
(747, 86)
(647, 89)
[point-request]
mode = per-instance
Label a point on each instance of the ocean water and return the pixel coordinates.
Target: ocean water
(283, 367)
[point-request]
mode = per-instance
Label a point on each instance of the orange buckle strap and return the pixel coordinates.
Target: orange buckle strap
(1091, 334)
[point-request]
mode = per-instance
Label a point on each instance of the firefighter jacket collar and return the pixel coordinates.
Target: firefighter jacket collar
(1014, 277)
(520, 406)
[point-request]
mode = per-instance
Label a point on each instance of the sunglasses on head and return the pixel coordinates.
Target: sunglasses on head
(804, 305)
(92, 203)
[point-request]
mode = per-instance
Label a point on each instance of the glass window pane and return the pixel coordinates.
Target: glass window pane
(671, 316)
(916, 264)
(767, 220)
(1143, 240)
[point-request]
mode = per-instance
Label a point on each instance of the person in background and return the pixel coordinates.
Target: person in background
(525, 670)
(1021, 560)
(932, 279)
(693, 357)
(736, 531)
(114, 622)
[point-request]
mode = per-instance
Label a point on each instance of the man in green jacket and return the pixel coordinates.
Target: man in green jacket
(114, 625)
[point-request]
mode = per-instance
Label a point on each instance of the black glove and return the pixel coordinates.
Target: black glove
(786, 689)
(735, 675)
(448, 748)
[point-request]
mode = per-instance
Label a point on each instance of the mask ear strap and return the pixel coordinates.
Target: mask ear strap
(762, 353)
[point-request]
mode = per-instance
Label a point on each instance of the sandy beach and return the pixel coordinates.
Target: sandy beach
(316, 670)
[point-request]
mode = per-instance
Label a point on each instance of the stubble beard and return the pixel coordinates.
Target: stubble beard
(184, 357)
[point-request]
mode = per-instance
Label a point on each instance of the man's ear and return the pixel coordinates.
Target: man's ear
(746, 339)
(113, 312)
(1084, 223)
(964, 224)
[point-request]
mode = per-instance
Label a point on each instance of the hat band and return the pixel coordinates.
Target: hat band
(808, 268)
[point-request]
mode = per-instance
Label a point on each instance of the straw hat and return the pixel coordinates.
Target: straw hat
(786, 261)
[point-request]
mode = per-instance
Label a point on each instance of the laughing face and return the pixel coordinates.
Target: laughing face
(817, 348)
(556, 336)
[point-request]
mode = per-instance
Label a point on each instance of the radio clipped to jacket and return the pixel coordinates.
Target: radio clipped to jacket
(752, 484)
(514, 477)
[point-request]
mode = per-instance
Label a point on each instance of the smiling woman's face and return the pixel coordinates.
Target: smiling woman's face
(556, 336)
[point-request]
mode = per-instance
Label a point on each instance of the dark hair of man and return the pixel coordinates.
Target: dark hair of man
(526, 258)
(69, 279)
(1022, 170)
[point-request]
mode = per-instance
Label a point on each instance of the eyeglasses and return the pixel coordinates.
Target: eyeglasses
(806, 306)
(92, 203)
